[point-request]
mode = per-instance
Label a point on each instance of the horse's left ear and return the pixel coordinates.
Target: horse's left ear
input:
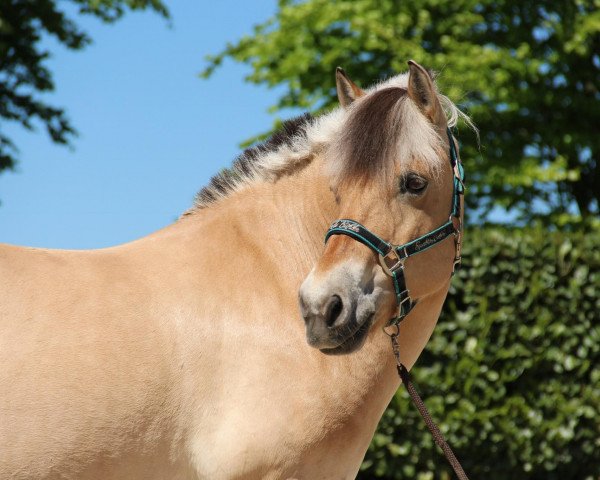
(347, 90)
(422, 91)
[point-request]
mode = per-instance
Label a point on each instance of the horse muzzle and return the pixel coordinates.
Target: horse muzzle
(339, 307)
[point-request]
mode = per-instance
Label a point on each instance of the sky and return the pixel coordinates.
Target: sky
(151, 132)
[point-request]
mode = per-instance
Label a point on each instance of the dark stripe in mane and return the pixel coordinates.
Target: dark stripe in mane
(370, 133)
(245, 164)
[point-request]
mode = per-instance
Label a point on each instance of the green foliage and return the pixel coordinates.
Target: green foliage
(528, 72)
(23, 73)
(512, 372)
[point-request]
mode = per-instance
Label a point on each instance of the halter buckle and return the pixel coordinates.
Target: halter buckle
(458, 226)
(457, 223)
(397, 262)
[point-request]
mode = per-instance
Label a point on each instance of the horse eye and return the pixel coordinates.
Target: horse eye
(413, 184)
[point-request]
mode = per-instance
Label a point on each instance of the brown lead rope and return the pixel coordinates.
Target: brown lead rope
(416, 399)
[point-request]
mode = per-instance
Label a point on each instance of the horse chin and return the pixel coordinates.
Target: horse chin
(354, 341)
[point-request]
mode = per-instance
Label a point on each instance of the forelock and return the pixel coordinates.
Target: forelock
(381, 129)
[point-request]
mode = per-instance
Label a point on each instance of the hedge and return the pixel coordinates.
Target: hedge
(512, 371)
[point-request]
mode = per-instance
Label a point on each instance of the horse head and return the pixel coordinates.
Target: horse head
(394, 169)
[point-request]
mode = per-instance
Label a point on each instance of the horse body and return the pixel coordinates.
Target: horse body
(183, 355)
(85, 366)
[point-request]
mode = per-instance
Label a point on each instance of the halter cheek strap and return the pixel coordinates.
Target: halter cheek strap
(392, 257)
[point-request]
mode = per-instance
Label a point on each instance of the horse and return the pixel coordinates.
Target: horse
(234, 343)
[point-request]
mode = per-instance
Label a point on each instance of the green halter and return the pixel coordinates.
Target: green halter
(392, 257)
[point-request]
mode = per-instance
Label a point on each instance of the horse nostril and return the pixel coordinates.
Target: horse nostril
(333, 310)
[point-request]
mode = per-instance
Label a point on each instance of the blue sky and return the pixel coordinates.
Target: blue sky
(152, 133)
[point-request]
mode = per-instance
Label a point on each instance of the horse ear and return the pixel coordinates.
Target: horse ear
(422, 91)
(347, 90)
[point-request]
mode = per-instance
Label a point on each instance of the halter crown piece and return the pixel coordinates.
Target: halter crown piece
(392, 257)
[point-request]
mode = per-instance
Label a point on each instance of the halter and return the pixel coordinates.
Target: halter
(392, 257)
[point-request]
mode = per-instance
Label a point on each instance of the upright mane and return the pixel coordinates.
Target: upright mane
(257, 162)
(357, 140)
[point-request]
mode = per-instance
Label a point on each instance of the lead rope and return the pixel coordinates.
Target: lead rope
(438, 436)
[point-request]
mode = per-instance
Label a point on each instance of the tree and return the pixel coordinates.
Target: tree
(23, 73)
(528, 73)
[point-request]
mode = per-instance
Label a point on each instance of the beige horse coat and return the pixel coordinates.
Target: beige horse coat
(183, 355)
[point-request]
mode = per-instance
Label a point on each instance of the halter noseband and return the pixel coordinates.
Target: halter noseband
(392, 257)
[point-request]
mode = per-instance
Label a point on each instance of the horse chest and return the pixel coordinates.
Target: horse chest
(275, 426)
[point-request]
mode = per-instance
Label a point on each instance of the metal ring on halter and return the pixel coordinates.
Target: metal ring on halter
(398, 262)
(393, 334)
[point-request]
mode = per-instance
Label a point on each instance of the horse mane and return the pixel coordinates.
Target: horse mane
(251, 163)
(357, 141)
(256, 162)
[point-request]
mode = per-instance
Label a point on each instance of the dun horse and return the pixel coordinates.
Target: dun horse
(185, 354)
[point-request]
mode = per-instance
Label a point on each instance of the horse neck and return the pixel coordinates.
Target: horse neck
(249, 253)
(281, 223)
(279, 228)
(275, 231)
